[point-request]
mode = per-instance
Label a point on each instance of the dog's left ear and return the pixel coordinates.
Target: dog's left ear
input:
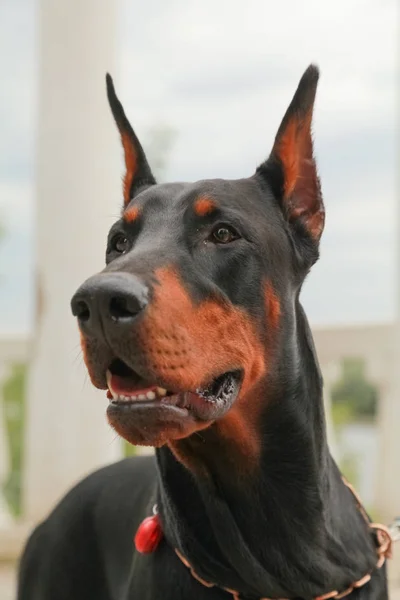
(291, 169)
(138, 173)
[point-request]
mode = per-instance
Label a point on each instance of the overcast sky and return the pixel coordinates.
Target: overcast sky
(222, 74)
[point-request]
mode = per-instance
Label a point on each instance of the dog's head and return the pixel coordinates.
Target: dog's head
(183, 324)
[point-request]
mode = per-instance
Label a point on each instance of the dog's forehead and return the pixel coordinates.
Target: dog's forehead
(200, 196)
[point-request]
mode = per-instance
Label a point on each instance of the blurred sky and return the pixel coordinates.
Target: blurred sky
(222, 74)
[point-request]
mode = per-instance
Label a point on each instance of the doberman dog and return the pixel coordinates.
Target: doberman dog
(196, 331)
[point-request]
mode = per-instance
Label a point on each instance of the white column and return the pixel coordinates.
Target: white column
(77, 195)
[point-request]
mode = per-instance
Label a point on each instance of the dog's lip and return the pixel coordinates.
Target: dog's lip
(148, 405)
(129, 389)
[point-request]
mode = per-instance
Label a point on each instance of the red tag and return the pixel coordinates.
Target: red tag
(148, 535)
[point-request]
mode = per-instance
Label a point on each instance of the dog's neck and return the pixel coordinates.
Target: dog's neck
(291, 529)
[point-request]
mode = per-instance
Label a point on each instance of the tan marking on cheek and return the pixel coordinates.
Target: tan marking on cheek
(193, 344)
(130, 164)
(131, 214)
(188, 345)
(273, 306)
(204, 206)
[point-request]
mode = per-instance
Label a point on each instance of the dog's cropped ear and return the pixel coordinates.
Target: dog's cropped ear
(138, 173)
(290, 168)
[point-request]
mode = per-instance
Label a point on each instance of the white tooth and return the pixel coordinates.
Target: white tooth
(123, 398)
(150, 395)
(109, 376)
(142, 397)
(161, 392)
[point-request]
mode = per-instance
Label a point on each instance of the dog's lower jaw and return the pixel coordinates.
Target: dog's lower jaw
(163, 424)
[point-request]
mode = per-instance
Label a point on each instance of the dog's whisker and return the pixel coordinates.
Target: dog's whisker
(115, 438)
(77, 357)
(85, 381)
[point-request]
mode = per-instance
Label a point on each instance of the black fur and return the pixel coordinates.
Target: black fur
(289, 528)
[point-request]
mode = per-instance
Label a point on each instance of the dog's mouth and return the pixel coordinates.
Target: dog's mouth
(127, 389)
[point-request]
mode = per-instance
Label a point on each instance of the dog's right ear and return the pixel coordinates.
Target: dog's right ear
(291, 167)
(138, 173)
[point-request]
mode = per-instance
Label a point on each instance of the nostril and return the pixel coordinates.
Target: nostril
(106, 298)
(81, 310)
(120, 308)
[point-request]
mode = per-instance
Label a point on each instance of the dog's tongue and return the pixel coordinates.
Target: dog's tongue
(125, 385)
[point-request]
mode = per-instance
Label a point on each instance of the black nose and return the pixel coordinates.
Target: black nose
(108, 298)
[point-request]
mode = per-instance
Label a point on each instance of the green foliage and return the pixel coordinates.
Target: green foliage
(354, 392)
(128, 449)
(14, 418)
(341, 414)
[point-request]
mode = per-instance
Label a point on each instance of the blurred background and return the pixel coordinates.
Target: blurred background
(205, 85)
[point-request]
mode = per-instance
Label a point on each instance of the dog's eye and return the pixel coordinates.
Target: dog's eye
(223, 234)
(120, 243)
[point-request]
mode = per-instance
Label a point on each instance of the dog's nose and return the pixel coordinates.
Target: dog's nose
(107, 298)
